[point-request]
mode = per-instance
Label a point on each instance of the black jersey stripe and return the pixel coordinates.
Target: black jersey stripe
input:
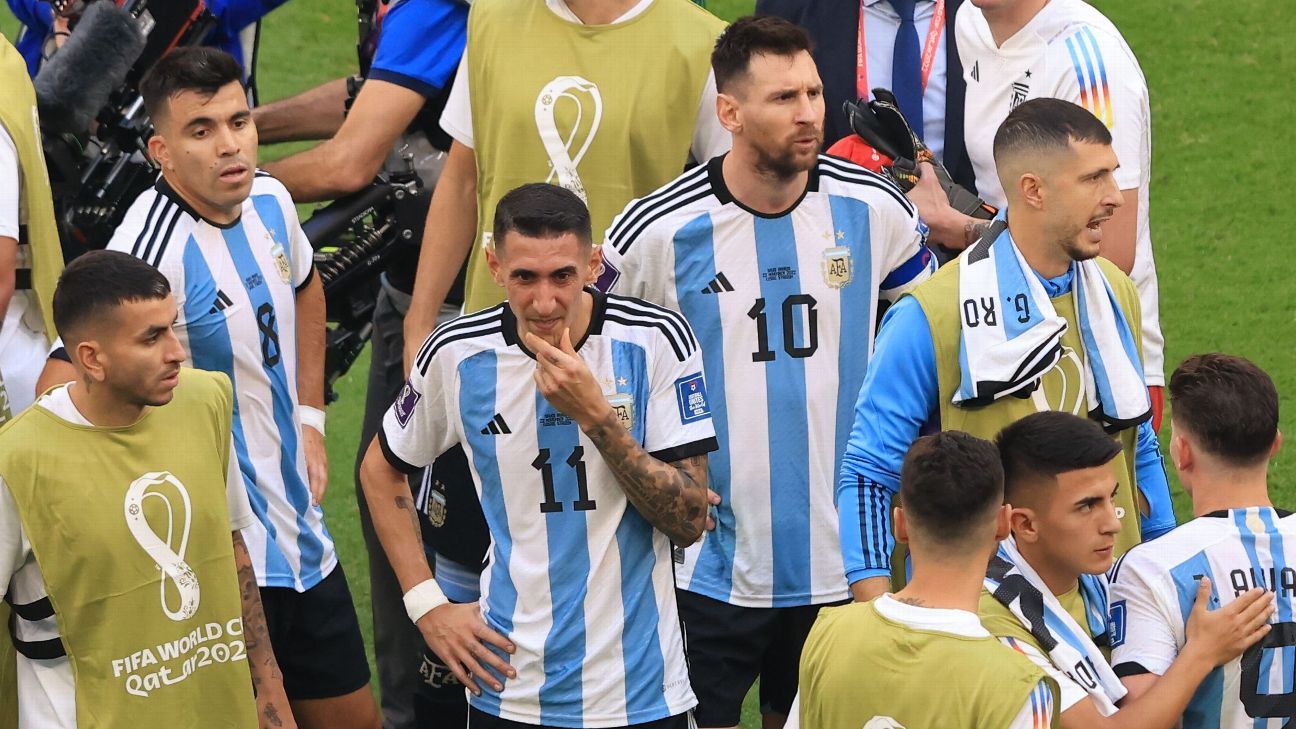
(670, 189)
(855, 172)
(158, 199)
(166, 216)
(433, 342)
(631, 236)
(655, 324)
(491, 320)
(471, 334)
(644, 211)
(156, 259)
(639, 307)
(888, 188)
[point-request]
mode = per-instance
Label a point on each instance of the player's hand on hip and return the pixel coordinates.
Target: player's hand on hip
(714, 500)
(461, 638)
(948, 227)
(566, 381)
(1218, 636)
(316, 463)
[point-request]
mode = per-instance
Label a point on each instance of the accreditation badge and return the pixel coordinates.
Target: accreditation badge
(281, 261)
(838, 269)
(623, 405)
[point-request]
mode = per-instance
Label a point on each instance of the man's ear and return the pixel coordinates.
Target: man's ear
(493, 263)
(1277, 445)
(1024, 525)
(89, 357)
(1032, 190)
(157, 149)
(595, 265)
(729, 113)
(1181, 452)
(901, 528)
(1003, 522)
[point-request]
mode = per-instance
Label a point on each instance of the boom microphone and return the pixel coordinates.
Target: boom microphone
(77, 81)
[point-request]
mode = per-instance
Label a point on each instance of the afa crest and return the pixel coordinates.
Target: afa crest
(623, 405)
(281, 260)
(436, 504)
(838, 267)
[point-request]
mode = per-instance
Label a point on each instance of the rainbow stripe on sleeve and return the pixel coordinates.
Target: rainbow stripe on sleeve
(1091, 75)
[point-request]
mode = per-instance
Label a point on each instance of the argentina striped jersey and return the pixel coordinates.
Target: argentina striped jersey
(785, 306)
(235, 290)
(1153, 588)
(577, 578)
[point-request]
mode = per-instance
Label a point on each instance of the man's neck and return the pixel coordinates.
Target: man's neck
(1231, 490)
(1058, 581)
(599, 12)
(1043, 256)
(945, 585)
(760, 190)
(220, 216)
(97, 404)
(1006, 20)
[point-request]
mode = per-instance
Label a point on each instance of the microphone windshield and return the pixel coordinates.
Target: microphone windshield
(77, 81)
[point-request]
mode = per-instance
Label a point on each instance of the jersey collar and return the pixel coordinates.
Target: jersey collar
(164, 188)
(715, 174)
(597, 314)
(1225, 513)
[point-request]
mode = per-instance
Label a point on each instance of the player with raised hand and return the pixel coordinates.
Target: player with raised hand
(586, 424)
(1046, 588)
(1225, 433)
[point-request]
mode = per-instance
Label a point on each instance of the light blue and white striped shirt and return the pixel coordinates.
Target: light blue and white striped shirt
(235, 287)
(785, 306)
(1153, 588)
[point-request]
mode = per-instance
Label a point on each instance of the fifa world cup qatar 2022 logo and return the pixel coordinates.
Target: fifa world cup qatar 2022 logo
(167, 549)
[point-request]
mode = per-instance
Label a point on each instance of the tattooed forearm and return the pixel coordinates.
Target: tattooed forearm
(671, 496)
(266, 677)
(406, 504)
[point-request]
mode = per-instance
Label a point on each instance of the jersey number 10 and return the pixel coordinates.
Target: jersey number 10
(763, 352)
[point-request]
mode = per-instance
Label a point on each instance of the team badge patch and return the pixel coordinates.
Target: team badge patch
(405, 402)
(690, 393)
(281, 261)
(436, 505)
(623, 405)
(1117, 623)
(838, 269)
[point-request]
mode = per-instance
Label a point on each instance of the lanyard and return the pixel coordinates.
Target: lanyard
(928, 54)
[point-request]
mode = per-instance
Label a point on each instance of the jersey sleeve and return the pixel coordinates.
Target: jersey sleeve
(710, 139)
(908, 261)
(1099, 72)
(628, 253)
(678, 423)
(1038, 711)
(148, 219)
(1146, 632)
(415, 428)
(456, 117)
(1070, 693)
(240, 509)
(420, 44)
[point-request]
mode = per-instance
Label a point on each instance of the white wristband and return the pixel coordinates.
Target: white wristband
(423, 598)
(311, 417)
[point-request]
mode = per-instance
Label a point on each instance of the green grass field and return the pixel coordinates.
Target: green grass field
(1221, 98)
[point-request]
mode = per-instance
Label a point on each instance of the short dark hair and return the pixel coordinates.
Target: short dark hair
(541, 210)
(98, 281)
(948, 482)
(1043, 445)
(1041, 125)
(1229, 404)
(190, 68)
(754, 35)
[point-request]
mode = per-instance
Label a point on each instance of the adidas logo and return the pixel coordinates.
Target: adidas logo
(221, 303)
(718, 284)
(976, 71)
(496, 426)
